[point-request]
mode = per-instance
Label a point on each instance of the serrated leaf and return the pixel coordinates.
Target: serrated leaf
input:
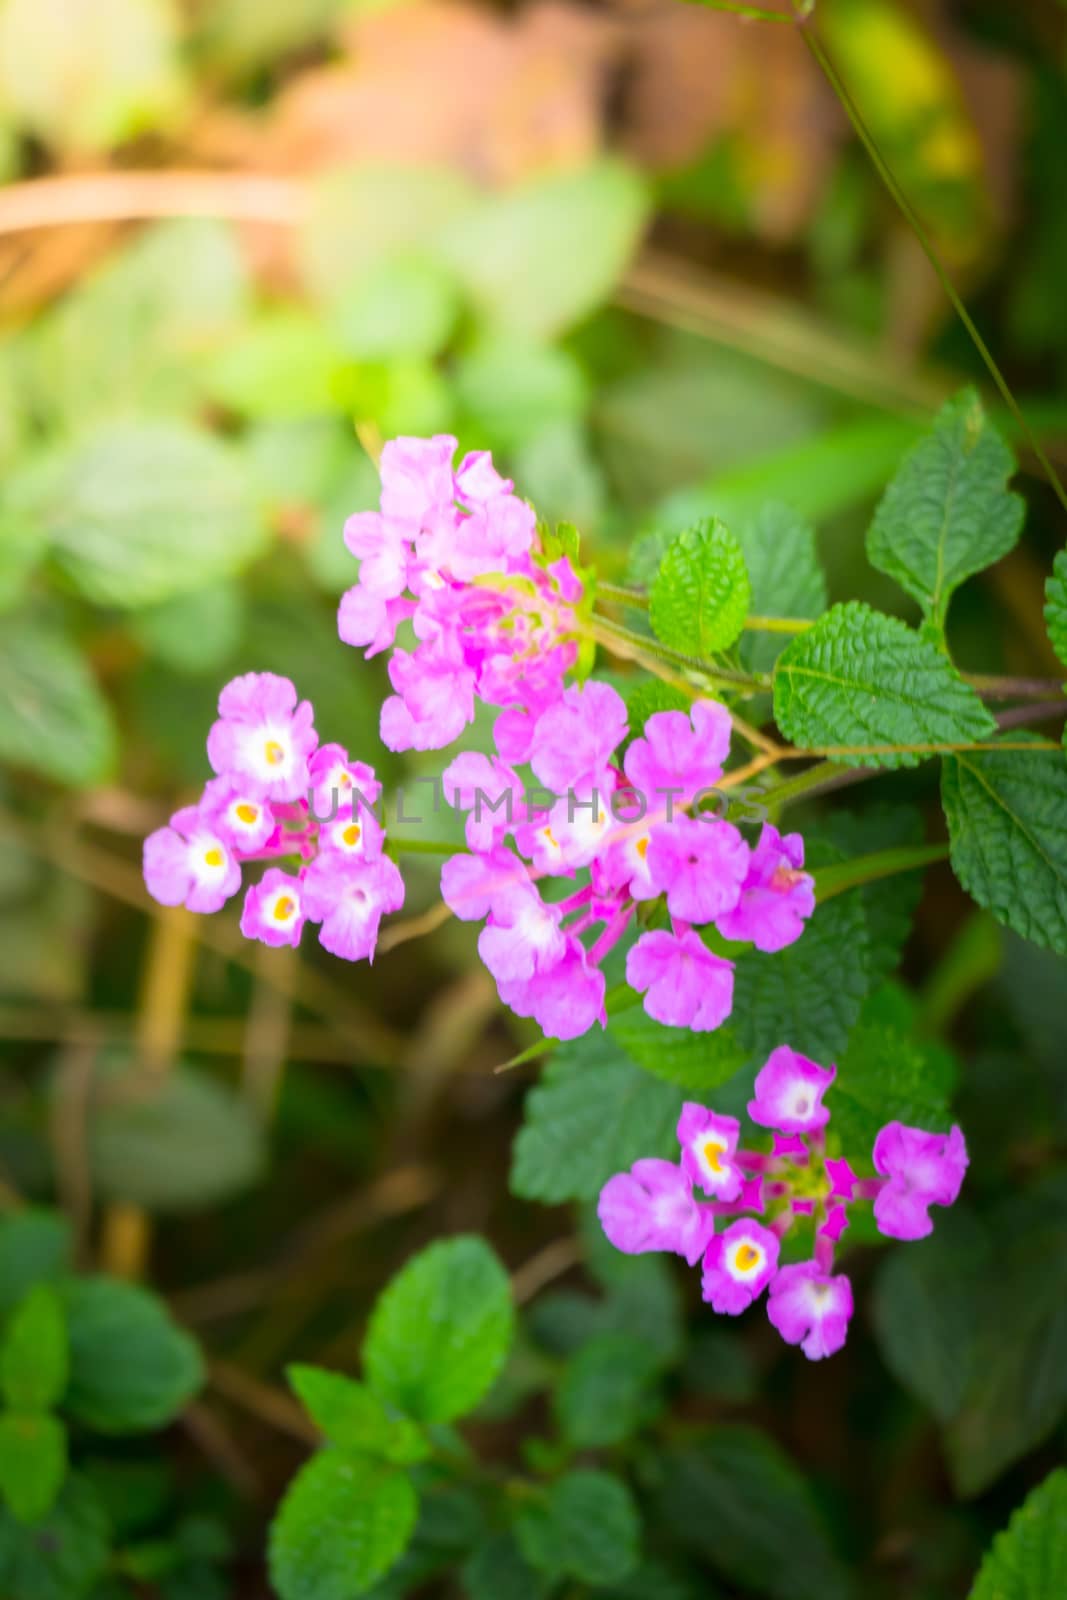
(1007, 824)
(782, 558)
(889, 904)
(35, 1247)
(594, 1113)
(1056, 606)
(34, 1358)
(858, 683)
(701, 594)
(808, 995)
(948, 512)
(342, 1524)
(61, 1556)
(736, 1499)
(604, 1393)
(543, 255)
(586, 1527)
(354, 1418)
(132, 1368)
(696, 1061)
(53, 718)
(175, 1143)
(441, 1330)
(33, 1463)
(1028, 1561)
(138, 512)
(883, 1076)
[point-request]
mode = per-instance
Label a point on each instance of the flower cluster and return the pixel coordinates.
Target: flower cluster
(653, 1207)
(280, 795)
(637, 828)
(454, 551)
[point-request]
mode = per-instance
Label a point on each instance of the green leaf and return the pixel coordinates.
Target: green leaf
(53, 718)
(780, 553)
(701, 594)
(34, 1359)
(1007, 824)
(947, 513)
(696, 1061)
(586, 1527)
(132, 1368)
(354, 1418)
(175, 1143)
(33, 1463)
(497, 1571)
(594, 1113)
(926, 1305)
(808, 995)
(739, 1502)
(882, 1077)
(889, 904)
(858, 683)
(542, 256)
(34, 1248)
(606, 1390)
(193, 633)
(281, 365)
(138, 512)
(511, 389)
(1056, 606)
(62, 1556)
(343, 1522)
(401, 307)
(1028, 1561)
(441, 1330)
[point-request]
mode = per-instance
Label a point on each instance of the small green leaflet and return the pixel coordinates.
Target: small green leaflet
(1028, 1561)
(53, 717)
(606, 1390)
(586, 1527)
(948, 512)
(33, 1463)
(440, 1332)
(132, 1369)
(1007, 823)
(701, 594)
(343, 1523)
(351, 1416)
(868, 691)
(1056, 606)
(34, 1358)
(780, 552)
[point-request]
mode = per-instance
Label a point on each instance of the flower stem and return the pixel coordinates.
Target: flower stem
(623, 594)
(636, 647)
(777, 624)
(836, 879)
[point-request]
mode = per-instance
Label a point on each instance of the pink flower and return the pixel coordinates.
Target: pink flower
(384, 550)
(789, 1091)
(492, 538)
(273, 911)
(810, 1309)
(434, 700)
(365, 619)
(684, 985)
(240, 817)
(473, 886)
(489, 790)
(776, 897)
(417, 478)
(349, 899)
(522, 938)
(478, 481)
(263, 738)
(922, 1169)
(564, 1000)
(700, 864)
(574, 831)
(679, 755)
(708, 1143)
(335, 782)
(190, 863)
(575, 739)
(651, 1207)
(354, 834)
(738, 1266)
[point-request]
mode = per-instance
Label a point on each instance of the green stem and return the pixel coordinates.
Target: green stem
(622, 593)
(820, 779)
(911, 217)
(777, 624)
(424, 847)
(972, 959)
(640, 647)
(830, 881)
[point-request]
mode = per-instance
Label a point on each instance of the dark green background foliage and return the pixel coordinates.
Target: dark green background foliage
(299, 1295)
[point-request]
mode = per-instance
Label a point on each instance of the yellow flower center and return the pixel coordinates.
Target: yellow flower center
(712, 1152)
(747, 1256)
(213, 857)
(642, 847)
(351, 834)
(274, 752)
(284, 908)
(246, 813)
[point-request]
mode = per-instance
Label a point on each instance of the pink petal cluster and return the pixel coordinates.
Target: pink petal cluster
(623, 826)
(280, 796)
(457, 554)
(761, 1196)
